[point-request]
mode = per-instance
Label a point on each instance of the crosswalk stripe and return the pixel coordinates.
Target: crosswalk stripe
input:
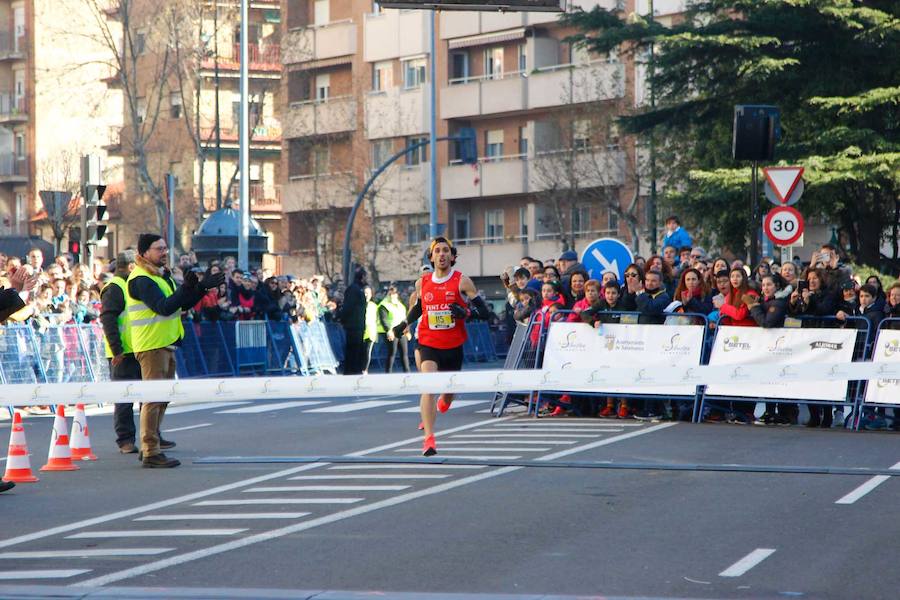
(44, 574)
(491, 449)
(186, 428)
(354, 406)
(456, 404)
(223, 516)
(565, 424)
(328, 488)
(85, 553)
(278, 501)
(427, 467)
(269, 407)
(454, 440)
(553, 430)
(152, 533)
(371, 476)
(540, 435)
(184, 408)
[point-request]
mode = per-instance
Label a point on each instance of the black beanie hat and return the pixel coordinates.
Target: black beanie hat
(145, 240)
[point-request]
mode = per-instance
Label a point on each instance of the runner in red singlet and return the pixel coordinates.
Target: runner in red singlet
(445, 297)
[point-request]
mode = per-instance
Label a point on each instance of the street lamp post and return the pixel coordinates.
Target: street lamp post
(244, 229)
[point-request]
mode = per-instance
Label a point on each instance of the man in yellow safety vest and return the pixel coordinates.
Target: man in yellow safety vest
(391, 311)
(154, 306)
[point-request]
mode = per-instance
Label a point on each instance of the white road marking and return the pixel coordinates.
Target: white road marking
(336, 517)
(537, 435)
(86, 553)
(516, 436)
(328, 488)
(564, 424)
(866, 487)
(223, 516)
(418, 438)
(567, 430)
(186, 428)
(269, 407)
(456, 404)
(458, 442)
(184, 408)
(277, 501)
(45, 574)
(426, 466)
(85, 535)
(480, 457)
(354, 406)
(747, 563)
(371, 476)
(449, 448)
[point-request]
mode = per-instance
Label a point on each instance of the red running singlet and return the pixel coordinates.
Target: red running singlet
(437, 328)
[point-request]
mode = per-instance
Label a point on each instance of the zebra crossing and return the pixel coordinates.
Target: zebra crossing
(104, 550)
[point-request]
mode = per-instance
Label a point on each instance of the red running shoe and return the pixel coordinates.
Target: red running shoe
(421, 425)
(429, 448)
(624, 413)
(559, 411)
(442, 404)
(608, 412)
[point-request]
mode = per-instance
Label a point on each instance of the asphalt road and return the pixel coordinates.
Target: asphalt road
(514, 509)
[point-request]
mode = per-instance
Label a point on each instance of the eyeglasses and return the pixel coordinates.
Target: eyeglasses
(631, 274)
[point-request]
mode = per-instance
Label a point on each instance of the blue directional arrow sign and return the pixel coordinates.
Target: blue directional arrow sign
(606, 254)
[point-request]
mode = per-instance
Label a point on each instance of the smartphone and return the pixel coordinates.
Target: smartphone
(802, 285)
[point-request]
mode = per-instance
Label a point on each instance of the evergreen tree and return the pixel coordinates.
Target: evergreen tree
(831, 66)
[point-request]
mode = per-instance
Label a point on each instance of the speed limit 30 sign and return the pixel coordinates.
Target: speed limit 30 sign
(783, 225)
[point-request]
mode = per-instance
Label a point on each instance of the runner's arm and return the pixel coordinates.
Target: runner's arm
(477, 306)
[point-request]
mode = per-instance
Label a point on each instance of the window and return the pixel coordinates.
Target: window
(376, 8)
(20, 145)
(420, 154)
(581, 134)
(298, 158)
(323, 86)
(493, 225)
(523, 58)
(20, 86)
(381, 151)
(581, 219)
(141, 109)
(493, 144)
(612, 221)
(298, 86)
(493, 63)
(612, 139)
(523, 222)
(461, 226)
(253, 104)
(382, 76)
(140, 43)
(175, 105)
(413, 73)
(459, 67)
(21, 212)
(416, 229)
(321, 160)
(322, 14)
(523, 140)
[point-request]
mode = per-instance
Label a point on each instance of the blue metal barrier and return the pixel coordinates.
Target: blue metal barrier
(285, 355)
(318, 346)
(524, 353)
(216, 353)
(189, 361)
(855, 389)
(92, 342)
(20, 358)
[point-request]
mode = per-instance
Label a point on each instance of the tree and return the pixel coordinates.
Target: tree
(823, 63)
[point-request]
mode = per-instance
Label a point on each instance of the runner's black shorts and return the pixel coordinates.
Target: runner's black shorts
(450, 359)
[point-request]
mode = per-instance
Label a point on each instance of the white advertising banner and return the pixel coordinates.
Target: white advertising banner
(782, 348)
(580, 346)
(887, 350)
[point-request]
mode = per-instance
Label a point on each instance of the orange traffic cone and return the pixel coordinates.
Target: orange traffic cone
(81, 437)
(18, 466)
(60, 456)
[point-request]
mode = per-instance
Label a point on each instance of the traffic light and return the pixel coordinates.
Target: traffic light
(94, 213)
(75, 244)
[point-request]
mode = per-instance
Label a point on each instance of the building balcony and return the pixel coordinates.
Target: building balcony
(456, 24)
(319, 192)
(558, 85)
(264, 136)
(12, 46)
(13, 169)
(320, 117)
(485, 257)
(320, 42)
(113, 146)
(522, 174)
(391, 34)
(265, 59)
(264, 198)
(12, 109)
(402, 190)
(397, 112)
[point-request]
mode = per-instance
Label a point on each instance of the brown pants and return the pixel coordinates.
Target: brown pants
(155, 364)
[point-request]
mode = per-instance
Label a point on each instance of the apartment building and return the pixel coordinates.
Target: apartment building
(553, 171)
(189, 122)
(16, 129)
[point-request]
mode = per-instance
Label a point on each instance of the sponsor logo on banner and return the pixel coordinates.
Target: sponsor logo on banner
(730, 344)
(779, 348)
(610, 342)
(885, 390)
(571, 342)
(891, 348)
(825, 346)
(674, 347)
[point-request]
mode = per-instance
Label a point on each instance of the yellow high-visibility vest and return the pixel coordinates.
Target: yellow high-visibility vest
(124, 323)
(149, 330)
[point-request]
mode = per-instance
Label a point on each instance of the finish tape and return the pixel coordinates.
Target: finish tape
(242, 389)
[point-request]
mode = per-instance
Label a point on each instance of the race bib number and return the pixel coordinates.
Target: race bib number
(440, 319)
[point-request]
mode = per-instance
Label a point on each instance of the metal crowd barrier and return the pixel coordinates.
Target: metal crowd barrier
(881, 349)
(524, 353)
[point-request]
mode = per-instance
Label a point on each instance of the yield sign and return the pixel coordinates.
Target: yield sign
(783, 180)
